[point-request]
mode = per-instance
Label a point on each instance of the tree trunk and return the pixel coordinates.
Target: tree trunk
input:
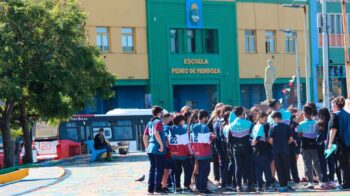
(9, 151)
(27, 136)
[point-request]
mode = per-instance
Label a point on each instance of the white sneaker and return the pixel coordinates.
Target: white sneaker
(310, 186)
(332, 184)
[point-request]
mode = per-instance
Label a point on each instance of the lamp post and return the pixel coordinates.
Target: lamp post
(306, 34)
(295, 35)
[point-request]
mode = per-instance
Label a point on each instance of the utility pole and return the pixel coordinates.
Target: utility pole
(346, 49)
(325, 60)
(307, 63)
(297, 69)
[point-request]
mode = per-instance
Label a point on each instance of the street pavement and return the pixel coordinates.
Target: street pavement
(37, 178)
(109, 178)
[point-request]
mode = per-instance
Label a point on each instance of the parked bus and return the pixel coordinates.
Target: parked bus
(122, 128)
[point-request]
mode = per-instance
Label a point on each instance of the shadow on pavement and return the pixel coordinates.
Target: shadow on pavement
(83, 161)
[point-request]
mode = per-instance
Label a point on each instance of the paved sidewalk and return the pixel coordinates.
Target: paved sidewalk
(37, 178)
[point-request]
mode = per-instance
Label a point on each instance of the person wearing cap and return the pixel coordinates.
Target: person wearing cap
(154, 140)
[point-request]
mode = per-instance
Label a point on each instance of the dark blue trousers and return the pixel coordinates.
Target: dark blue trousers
(323, 163)
(244, 168)
(203, 173)
(262, 165)
(223, 160)
(156, 172)
(231, 178)
(331, 167)
(187, 167)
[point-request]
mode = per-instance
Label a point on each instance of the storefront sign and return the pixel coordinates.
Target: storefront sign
(196, 61)
(194, 14)
(195, 71)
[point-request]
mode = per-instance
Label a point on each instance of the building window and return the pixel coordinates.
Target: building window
(335, 24)
(270, 42)
(249, 38)
(102, 39)
(203, 41)
(335, 30)
(290, 42)
(210, 39)
(191, 41)
(128, 39)
(174, 46)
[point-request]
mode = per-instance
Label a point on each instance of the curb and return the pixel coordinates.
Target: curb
(64, 175)
(13, 176)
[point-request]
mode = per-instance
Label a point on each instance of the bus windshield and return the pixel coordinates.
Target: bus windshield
(45, 131)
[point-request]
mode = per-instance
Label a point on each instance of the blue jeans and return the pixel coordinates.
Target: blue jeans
(262, 165)
(156, 172)
(203, 173)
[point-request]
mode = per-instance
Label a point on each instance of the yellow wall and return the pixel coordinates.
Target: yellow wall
(266, 16)
(116, 14)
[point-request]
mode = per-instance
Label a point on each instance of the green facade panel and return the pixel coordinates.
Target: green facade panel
(168, 69)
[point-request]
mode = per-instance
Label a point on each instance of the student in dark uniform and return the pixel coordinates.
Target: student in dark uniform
(261, 153)
(340, 135)
(280, 137)
(239, 138)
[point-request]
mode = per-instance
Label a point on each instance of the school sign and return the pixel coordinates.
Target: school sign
(192, 53)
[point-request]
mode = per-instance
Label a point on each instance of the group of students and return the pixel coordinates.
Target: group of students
(246, 145)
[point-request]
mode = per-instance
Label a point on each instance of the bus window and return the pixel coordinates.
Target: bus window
(123, 130)
(87, 133)
(72, 133)
(107, 132)
(71, 124)
(106, 127)
(45, 131)
(101, 124)
(82, 133)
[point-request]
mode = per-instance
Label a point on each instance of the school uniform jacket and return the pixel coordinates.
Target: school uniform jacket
(201, 139)
(286, 117)
(239, 136)
(178, 142)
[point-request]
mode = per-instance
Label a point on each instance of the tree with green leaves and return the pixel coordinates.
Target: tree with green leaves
(47, 70)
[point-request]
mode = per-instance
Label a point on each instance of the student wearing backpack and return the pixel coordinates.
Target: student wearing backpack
(340, 135)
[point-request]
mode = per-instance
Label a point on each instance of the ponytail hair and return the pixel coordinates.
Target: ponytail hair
(339, 102)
